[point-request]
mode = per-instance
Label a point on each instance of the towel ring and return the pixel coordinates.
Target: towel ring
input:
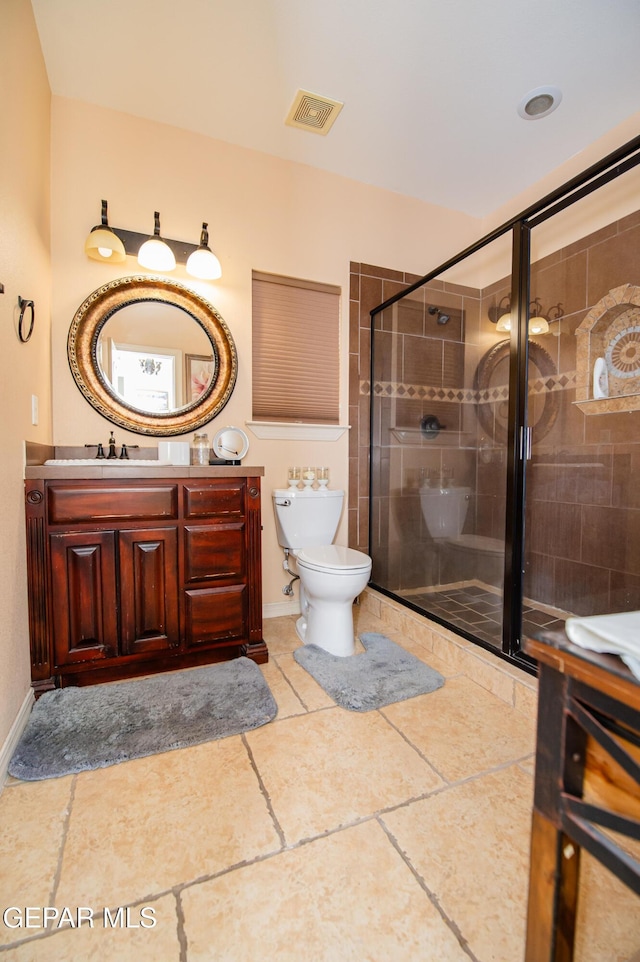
(25, 306)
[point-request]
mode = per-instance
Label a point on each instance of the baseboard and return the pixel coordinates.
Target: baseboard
(279, 609)
(13, 737)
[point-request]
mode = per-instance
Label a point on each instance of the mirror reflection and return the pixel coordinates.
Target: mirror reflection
(152, 355)
(155, 357)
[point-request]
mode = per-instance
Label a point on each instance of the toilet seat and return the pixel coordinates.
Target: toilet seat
(334, 558)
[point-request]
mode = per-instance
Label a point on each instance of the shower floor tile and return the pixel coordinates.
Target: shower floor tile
(478, 610)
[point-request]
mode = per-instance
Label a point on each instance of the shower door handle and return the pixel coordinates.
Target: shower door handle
(525, 443)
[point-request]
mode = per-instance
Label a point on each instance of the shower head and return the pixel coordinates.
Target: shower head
(442, 318)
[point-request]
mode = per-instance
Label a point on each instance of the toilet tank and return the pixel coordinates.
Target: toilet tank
(444, 510)
(306, 518)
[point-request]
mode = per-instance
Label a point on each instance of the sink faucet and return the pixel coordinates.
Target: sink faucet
(124, 452)
(100, 452)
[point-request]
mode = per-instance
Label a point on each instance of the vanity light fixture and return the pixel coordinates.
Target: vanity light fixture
(154, 253)
(538, 324)
(103, 244)
(500, 315)
(203, 263)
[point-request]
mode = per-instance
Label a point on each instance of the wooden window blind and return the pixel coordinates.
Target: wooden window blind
(296, 350)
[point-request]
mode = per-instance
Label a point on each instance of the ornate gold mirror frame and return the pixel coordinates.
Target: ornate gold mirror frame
(82, 352)
(493, 411)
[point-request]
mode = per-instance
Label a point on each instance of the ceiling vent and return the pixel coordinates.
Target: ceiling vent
(312, 112)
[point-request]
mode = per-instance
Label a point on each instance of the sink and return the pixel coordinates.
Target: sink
(105, 463)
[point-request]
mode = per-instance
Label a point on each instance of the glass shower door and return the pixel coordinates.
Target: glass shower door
(440, 401)
(582, 521)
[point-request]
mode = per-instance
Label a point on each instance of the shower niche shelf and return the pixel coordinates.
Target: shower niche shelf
(610, 331)
(448, 439)
(610, 405)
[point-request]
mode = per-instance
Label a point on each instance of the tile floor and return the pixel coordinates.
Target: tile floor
(327, 835)
(477, 609)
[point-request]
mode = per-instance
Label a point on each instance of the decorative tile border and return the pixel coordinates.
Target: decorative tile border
(396, 389)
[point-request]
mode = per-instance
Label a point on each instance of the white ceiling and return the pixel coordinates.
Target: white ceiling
(430, 87)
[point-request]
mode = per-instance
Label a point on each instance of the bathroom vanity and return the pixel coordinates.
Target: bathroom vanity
(130, 575)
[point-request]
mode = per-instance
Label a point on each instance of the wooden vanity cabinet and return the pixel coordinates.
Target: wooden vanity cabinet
(131, 577)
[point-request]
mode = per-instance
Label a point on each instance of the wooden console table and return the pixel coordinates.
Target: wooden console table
(587, 784)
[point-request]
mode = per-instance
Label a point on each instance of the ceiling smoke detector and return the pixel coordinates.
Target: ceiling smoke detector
(313, 112)
(539, 103)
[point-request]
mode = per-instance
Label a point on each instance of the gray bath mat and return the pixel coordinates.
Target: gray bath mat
(75, 729)
(384, 673)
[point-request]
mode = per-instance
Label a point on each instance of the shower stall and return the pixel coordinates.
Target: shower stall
(504, 398)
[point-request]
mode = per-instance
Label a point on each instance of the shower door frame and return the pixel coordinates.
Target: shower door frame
(518, 431)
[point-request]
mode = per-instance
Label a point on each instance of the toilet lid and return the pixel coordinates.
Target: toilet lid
(334, 557)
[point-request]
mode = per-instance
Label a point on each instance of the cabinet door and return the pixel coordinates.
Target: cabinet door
(148, 589)
(83, 582)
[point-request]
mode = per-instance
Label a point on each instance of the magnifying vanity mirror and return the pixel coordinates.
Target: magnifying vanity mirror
(152, 356)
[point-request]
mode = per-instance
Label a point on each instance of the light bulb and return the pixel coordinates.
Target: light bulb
(156, 256)
(203, 263)
(154, 253)
(538, 325)
(103, 243)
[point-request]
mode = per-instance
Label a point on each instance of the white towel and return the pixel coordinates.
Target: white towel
(617, 634)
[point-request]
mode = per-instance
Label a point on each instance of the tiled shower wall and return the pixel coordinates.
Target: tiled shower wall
(583, 505)
(370, 286)
(432, 374)
(583, 510)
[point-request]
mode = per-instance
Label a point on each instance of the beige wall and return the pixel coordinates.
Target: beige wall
(264, 214)
(25, 368)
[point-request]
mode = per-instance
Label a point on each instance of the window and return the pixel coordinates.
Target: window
(295, 350)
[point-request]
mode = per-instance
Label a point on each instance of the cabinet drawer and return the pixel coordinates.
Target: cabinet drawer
(214, 552)
(67, 503)
(215, 615)
(218, 499)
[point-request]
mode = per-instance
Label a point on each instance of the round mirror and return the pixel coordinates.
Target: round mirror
(152, 355)
(491, 382)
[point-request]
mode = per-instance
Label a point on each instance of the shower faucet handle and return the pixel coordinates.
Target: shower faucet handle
(430, 426)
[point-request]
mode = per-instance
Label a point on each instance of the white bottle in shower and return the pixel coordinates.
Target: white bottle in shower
(600, 379)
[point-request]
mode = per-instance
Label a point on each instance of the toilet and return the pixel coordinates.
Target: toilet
(331, 576)
(444, 510)
(465, 557)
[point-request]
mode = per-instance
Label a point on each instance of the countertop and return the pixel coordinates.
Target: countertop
(106, 470)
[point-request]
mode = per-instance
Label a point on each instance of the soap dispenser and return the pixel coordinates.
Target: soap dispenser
(200, 449)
